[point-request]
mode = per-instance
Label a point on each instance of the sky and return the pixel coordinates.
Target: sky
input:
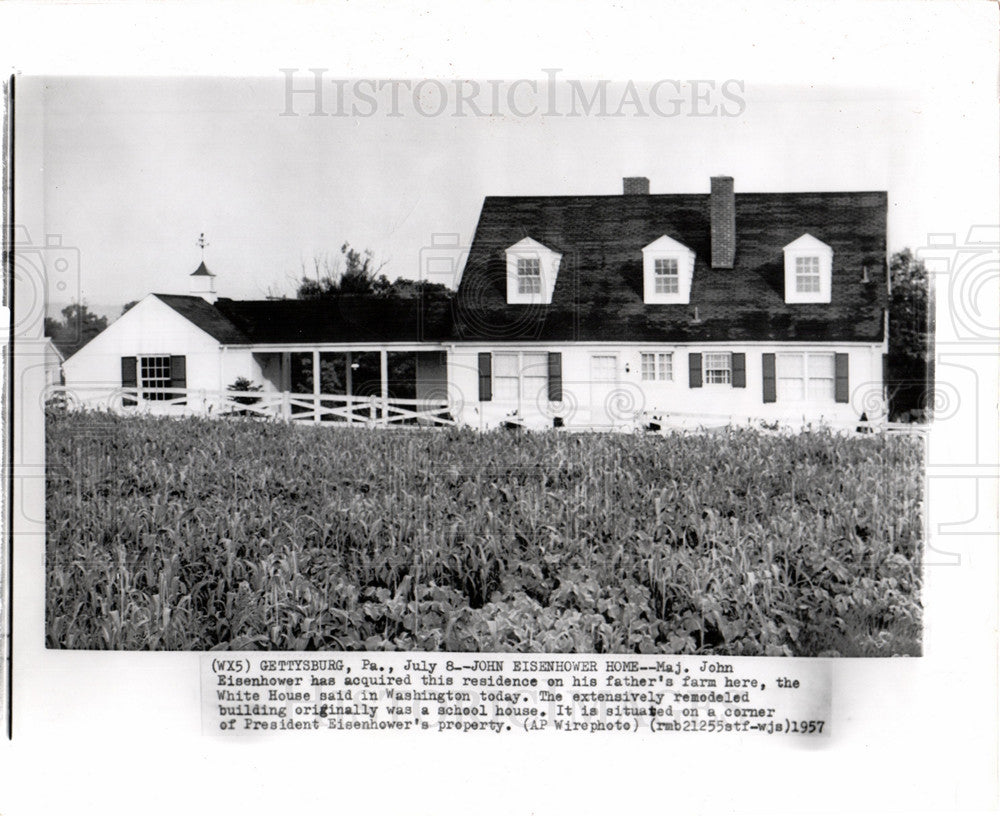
(136, 169)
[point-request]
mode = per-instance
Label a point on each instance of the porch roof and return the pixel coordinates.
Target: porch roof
(345, 319)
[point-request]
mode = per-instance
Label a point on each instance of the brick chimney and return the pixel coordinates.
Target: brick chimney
(723, 213)
(635, 185)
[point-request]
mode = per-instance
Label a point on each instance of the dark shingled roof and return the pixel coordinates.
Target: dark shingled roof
(202, 270)
(206, 317)
(598, 293)
(345, 319)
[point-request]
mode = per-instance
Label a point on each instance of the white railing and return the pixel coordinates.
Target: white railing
(374, 411)
(292, 407)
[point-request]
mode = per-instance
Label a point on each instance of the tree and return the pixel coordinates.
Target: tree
(406, 288)
(77, 328)
(356, 273)
(353, 273)
(910, 364)
(128, 306)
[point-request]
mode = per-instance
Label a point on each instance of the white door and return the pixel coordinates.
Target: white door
(603, 382)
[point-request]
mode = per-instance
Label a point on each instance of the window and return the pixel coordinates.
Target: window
(529, 276)
(154, 372)
(666, 277)
(807, 274)
(522, 379)
(805, 376)
(659, 366)
(808, 270)
(532, 269)
(719, 368)
(667, 271)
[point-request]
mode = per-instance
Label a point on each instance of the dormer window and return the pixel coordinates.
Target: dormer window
(532, 269)
(667, 268)
(666, 280)
(808, 271)
(529, 276)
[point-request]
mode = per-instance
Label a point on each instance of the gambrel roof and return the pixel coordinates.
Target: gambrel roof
(598, 295)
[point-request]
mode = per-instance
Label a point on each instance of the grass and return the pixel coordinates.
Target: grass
(208, 534)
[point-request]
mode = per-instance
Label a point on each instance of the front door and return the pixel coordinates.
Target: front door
(603, 382)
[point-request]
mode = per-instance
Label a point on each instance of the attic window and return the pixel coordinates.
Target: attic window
(666, 277)
(529, 276)
(808, 270)
(807, 274)
(667, 269)
(532, 269)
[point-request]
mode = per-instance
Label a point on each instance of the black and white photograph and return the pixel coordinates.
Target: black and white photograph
(319, 391)
(380, 377)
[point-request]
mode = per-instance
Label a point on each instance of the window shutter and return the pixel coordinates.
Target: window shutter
(178, 374)
(129, 372)
(485, 376)
(555, 376)
(841, 389)
(739, 371)
(694, 370)
(770, 389)
(178, 371)
(129, 377)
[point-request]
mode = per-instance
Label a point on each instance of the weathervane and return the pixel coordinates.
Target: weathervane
(202, 243)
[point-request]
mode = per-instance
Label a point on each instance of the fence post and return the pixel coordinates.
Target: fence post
(384, 372)
(349, 387)
(316, 388)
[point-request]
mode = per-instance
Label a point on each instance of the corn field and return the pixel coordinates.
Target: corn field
(201, 534)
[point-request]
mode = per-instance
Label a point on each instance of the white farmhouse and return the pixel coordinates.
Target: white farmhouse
(572, 311)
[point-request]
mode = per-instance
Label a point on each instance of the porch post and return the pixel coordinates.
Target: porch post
(286, 383)
(316, 388)
(384, 370)
(348, 388)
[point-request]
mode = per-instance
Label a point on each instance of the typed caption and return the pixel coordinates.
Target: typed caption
(500, 694)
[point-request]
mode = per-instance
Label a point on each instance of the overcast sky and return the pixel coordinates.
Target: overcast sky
(135, 170)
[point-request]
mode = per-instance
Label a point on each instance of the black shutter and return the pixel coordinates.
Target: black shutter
(555, 376)
(694, 370)
(841, 388)
(178, 373)
(770, 389)
(129, 372)
(485, 376)
(129, 378)
(739, 371)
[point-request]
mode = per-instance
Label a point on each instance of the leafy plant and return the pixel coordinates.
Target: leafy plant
(195, 533)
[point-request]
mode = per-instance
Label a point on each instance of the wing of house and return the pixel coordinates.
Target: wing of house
(583, 311)
(204, 343)
(590, 309)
